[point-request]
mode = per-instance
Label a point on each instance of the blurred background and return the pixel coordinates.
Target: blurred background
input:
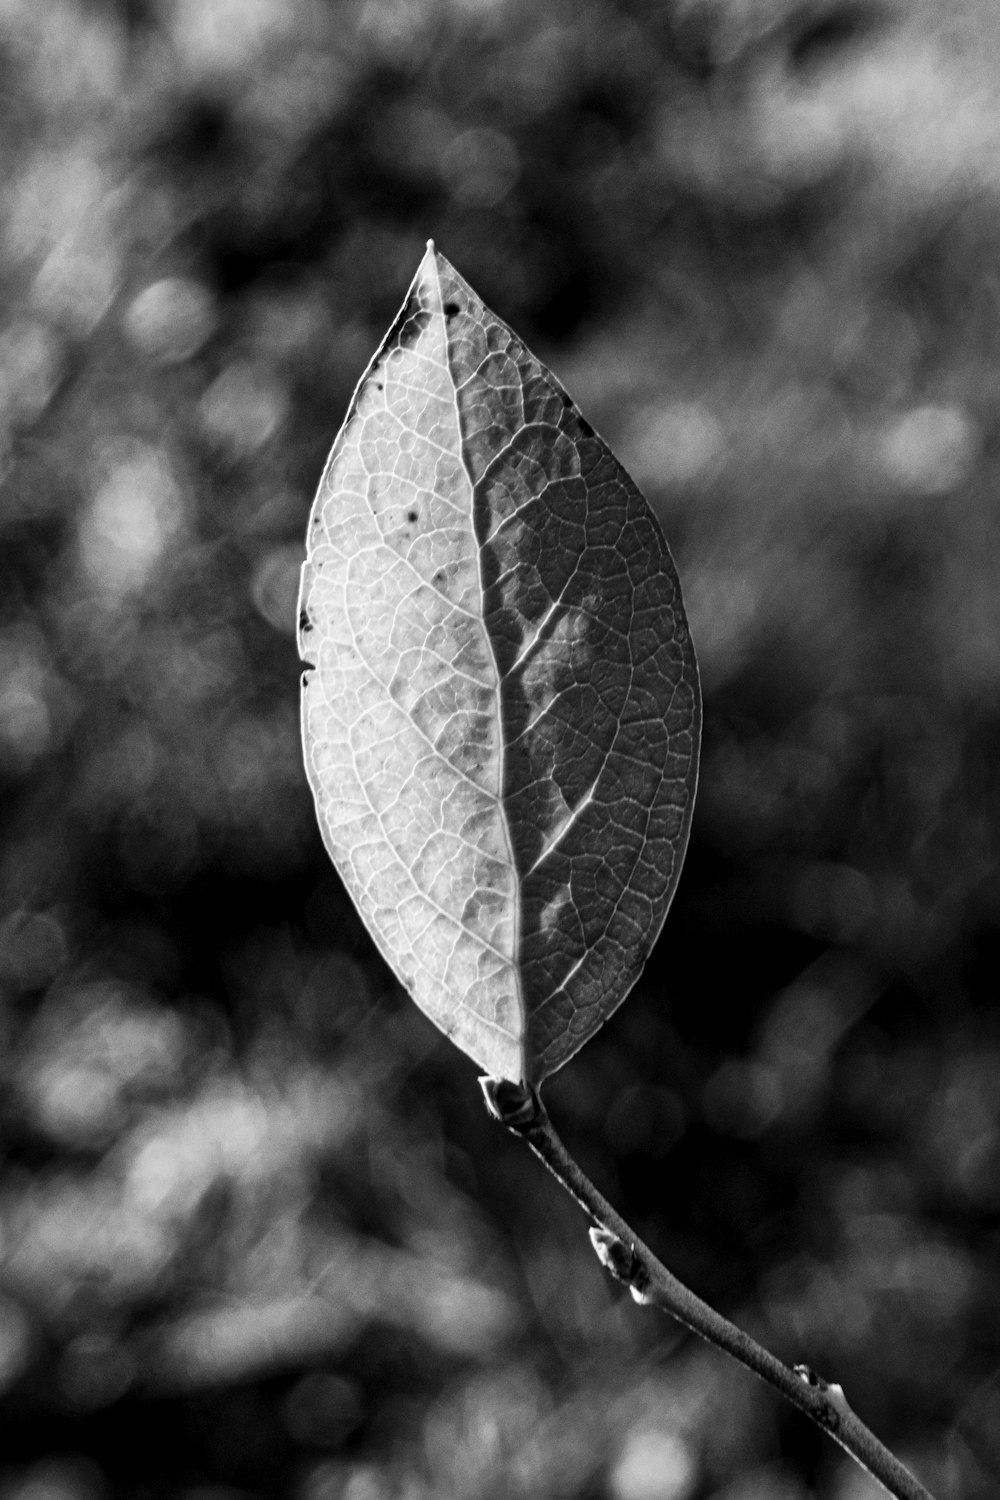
(258, 1236)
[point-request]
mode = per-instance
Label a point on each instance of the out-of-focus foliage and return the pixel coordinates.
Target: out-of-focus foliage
(258, 1236)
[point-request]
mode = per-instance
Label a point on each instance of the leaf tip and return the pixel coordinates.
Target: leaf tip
(428, 273)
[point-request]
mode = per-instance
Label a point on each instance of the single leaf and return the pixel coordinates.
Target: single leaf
(502, 719)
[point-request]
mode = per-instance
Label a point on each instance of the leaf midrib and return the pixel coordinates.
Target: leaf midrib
(501, 738)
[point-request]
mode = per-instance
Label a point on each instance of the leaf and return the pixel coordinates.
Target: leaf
(501, 722)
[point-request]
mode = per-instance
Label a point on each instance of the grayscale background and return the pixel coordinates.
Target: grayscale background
(258, 1236)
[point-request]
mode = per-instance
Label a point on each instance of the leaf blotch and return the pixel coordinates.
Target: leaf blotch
(411, 324)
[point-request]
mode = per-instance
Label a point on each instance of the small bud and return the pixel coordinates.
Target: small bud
(836, 1394)
(515, 1105)
(834, 1405)
(614, 1255)
(621, 1260)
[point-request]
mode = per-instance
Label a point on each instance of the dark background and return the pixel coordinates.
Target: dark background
(259, 1237)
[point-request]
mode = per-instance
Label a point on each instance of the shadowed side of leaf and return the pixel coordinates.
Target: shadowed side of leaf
(599, 692)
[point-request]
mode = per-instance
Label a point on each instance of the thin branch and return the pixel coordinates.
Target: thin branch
(622, 1253)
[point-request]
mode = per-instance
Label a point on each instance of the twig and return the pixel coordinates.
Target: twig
(622, 1253)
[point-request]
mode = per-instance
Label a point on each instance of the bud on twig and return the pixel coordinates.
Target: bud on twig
(623, 1263)
(615, 1256)
(515, 1105)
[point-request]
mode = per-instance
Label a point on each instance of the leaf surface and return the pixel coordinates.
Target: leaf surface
(501, 721)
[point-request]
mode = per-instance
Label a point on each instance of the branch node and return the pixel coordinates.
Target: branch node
(615, 1256)
(836, 1394)
(515, 1105)
(834, 1406)
(622, 1261)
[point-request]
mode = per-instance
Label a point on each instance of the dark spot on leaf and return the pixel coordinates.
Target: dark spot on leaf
(413, 328)
(411, 516)
(304, 621)
(410, 324)
(451, 308)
